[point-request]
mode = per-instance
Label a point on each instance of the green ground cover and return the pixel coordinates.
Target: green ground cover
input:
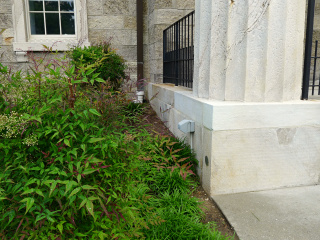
(72, 166)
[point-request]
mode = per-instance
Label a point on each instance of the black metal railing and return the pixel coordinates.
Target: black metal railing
(311, 84)
(314, 82)
(178, 52)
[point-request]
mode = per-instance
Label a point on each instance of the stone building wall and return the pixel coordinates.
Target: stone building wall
(159, 14)
(115, 21)
(7, 55)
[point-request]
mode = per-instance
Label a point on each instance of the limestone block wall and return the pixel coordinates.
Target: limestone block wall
(115, 21)
(108, 20)
(160, 14)
(7, 54)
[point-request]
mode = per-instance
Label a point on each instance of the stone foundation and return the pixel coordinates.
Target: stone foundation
(250, 146)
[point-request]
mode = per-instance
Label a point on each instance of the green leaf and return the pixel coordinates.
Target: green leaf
(39, 192)
(100, 80)
(88, 171)
(31, 190)
(66, 142)
(75, 191)
(102, 235)
(60, 227)
(79, 178)
(30, 202)
(83, 203)
(50, 219)
(53, 187)
(40, 217)
(69, 185)
(89, 206)
(85, 112)
(83, 147)
(11, 215)
(35, 169)
(80, 235)
(72, 69)
(95, 112)
(82, 127)
(95, 160)
(90, 71)
(93, 140)
(88, 187)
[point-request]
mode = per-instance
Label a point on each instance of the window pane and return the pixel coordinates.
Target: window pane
(37, 23)
(67, 23)
(35, 5)
(66, 5)
(52, 23)
(51, 5)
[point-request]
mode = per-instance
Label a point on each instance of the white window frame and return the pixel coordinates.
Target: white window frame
(24, 41)
(50, 36)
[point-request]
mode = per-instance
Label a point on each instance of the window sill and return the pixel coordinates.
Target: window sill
(38, 45)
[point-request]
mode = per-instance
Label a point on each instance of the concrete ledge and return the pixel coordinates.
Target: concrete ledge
(250, 146)
(224, 115)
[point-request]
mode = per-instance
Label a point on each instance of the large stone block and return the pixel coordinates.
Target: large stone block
(116, 37)
(5, 20)
(163, 4)
(259, 159)
(156, 33)
(156, 66)
(156, 51)
(97, 35)
(7, 37)
(168, 16)
(116, 7)
(7, 54)
(130, 22)
(122, 37)
(95, 7)
(185, 4)
(5, 6)
(129, 53)
(106, 22)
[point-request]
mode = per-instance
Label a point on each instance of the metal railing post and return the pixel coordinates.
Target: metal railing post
(308, 49)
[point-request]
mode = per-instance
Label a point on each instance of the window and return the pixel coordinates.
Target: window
(57, 23)
(51, 17)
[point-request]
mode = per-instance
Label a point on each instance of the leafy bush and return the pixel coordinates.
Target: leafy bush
(111, 68)
(71, 168)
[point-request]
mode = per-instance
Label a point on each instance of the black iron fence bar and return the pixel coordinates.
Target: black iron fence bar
(308, 49)
(314, 80)
(314, 67)
(178, 55)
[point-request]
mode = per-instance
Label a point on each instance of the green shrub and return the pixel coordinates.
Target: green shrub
(71, 169)
(111, 68)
